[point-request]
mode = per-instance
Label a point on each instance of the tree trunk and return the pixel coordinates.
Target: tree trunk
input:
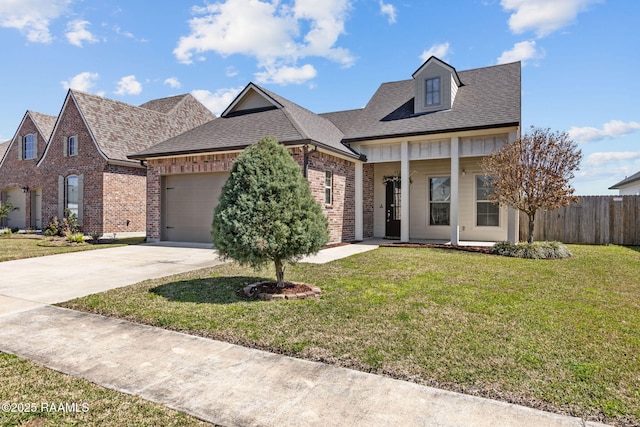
(532, 217)
(279, 273)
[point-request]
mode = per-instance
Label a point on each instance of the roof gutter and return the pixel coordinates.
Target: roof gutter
(434, 132)
(353, 156)
(126, 163)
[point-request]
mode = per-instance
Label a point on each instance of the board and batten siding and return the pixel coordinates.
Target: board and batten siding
(433, 148)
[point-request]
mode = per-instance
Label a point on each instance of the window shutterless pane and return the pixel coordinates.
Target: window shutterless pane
(439, 214)
(440, 189)
(72, 194)
(29, 147)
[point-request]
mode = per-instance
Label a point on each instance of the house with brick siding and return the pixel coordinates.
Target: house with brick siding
(406, 166)
(19, 174)
(78, 160)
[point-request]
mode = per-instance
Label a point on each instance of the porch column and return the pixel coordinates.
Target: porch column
(359, 200)
(455, 175)
(404, 191)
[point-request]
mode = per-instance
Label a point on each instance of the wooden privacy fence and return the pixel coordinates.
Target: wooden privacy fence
(597, 220)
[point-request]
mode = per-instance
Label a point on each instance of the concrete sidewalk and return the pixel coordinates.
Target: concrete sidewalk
(235, 386)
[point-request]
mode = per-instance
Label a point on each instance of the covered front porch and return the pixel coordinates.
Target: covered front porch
(433, 191)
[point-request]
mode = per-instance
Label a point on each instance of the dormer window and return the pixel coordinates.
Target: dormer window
(432, 91)
(436, 85)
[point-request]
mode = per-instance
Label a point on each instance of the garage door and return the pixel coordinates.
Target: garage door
(16, 218)
(188, 202)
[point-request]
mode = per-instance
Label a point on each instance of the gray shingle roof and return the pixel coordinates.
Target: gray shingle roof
(121, 129)
(631, 179)
(490, 97)
(290, 124)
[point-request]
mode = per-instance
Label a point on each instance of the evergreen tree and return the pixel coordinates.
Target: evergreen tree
(266, 212)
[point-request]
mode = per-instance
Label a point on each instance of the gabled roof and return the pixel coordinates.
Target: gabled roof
(489, 97)
(254, 114)
(120, 129)
(629, 180)
(442, 64)
(44, 123)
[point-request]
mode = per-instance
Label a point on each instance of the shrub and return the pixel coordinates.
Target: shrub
(5, 209)
(53, 228)
(95, 237)
(15, 229)
(538, 250)
(75, 238)
(68, 225)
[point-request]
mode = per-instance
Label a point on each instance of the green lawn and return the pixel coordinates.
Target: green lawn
(30, 245)
(561, 335)
(44, 390)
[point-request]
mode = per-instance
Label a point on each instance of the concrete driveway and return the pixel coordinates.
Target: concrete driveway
(33, 282)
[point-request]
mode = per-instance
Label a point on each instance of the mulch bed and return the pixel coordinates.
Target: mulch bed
(292, 290)
(477, 249)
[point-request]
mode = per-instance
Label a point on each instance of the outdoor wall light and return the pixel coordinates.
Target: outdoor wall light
(25, 189)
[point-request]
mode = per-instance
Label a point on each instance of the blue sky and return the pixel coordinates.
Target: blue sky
(580, 57)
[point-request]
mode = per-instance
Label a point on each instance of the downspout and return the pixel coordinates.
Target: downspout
(306, 155)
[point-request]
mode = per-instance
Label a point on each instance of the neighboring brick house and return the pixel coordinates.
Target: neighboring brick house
(79, 160)
(430, 131)
(20, 182)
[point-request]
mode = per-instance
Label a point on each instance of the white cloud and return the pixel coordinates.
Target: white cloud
(77, 33)
(276, 33)
(522, 51)
(216, 102)
(284, 74)
(389, 10)
(231, 71)
(83, 81)
(608, 158)
(438, 50)
(128, 85)
(173, 82)
(543, 16)
(32, 17)
(611, 129)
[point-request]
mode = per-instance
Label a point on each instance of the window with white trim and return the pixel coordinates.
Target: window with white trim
(432, 91)
(439, 200)
(29, 147)
(328, 187)
(487, 212)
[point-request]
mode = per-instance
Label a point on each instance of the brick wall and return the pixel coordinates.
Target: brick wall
(16, 173)
(341, 214)
(124, 199)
